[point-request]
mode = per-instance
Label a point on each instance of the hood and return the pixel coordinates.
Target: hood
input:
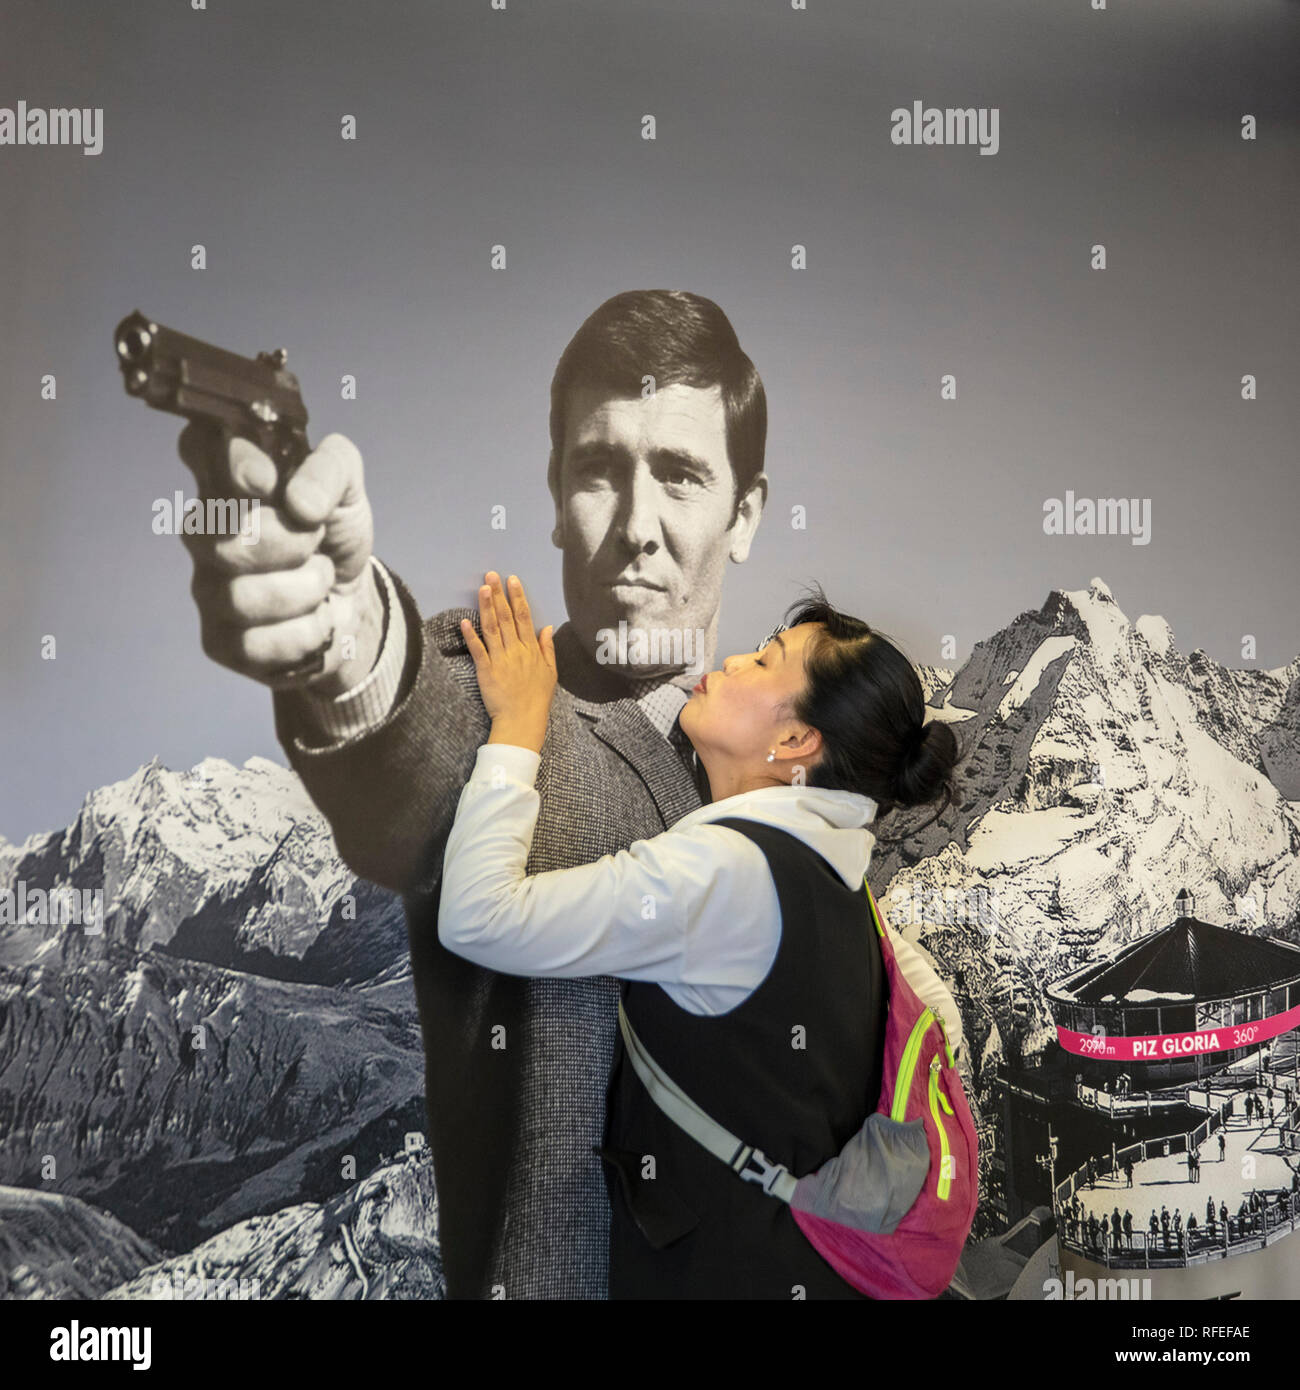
(834, 823)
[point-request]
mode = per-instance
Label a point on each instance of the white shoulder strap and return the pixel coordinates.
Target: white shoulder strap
(743, 1159)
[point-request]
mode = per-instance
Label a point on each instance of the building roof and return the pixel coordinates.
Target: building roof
(1191, 960)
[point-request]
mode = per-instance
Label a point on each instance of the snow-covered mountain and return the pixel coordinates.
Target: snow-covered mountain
(230, 865)
(240, 1022)
(181, 1096)
(1104, 771)
(52, 1246)
(378, 1239)
(226, 1067)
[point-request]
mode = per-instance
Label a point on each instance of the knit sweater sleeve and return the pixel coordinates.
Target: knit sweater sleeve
(390, 792)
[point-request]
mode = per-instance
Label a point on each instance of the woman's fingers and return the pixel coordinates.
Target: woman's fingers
(523, 615)
(501, 605)
(505, 617)
(487, 617)
(475, 647)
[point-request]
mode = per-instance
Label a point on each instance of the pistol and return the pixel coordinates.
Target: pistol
(255, 398)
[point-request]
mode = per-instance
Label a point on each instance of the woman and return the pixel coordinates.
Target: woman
(756, 980)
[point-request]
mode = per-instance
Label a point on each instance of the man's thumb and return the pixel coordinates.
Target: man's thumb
(329, 476)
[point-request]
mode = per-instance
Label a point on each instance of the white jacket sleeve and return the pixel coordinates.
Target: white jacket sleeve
(664, 910)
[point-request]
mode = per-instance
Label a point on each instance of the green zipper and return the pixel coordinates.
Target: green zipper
(947, 1046)
(875, 916)
(945, 1160)
(903, 1088)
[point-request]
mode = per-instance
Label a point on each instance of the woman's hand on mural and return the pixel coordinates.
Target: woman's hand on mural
(515, 667)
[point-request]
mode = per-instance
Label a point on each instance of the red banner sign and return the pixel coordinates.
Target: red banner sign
(1166, 1047)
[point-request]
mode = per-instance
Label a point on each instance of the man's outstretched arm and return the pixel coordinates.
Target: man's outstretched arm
(305, 584)
(386, 761)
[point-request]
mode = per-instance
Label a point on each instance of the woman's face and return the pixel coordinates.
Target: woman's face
(742, 712)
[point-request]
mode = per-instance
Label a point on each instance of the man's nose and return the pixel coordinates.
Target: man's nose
(640, 522)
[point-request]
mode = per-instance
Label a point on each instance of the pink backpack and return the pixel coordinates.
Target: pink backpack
(915, 1256)
(891, 1211)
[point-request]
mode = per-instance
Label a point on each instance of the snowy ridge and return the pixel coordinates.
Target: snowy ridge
(1104, 770)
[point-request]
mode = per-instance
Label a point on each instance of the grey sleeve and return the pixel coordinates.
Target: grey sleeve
(390, 794)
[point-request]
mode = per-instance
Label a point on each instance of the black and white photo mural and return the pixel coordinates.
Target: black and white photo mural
(977, 322)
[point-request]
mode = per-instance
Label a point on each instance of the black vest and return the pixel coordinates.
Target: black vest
(794, 1070)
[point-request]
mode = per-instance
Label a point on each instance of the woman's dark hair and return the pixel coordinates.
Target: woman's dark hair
(866, 700)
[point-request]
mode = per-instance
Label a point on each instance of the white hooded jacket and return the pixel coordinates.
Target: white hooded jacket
(693, 909)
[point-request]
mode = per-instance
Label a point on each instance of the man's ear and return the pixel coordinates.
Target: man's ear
(748, 514)
(553, 482)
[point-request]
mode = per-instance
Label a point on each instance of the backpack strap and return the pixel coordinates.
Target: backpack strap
(743, 1159)
(875, 912)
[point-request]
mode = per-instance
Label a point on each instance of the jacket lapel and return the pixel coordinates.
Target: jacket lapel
(620, 723)
(623, 727)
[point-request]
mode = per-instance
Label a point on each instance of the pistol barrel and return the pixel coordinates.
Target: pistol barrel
(257, 398)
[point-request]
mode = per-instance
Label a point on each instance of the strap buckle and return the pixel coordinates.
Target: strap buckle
(753, 1165)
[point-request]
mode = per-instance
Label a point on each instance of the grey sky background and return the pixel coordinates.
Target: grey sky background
(523, 127)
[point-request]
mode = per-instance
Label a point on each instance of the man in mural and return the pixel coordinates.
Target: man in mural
(658, 428)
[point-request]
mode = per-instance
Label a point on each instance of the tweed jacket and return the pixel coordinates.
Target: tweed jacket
(516, 1070)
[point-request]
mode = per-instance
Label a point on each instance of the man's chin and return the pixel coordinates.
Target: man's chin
(687, 677)
(644, 644)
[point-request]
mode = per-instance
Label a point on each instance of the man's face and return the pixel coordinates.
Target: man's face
(644, 514)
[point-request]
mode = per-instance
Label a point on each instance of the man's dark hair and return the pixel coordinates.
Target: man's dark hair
(680, 339)
(866, 700)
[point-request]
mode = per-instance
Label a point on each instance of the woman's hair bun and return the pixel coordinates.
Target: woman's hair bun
(925, 773)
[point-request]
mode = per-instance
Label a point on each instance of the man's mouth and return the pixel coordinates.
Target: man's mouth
(632, 583)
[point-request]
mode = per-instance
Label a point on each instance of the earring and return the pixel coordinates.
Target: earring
(771, 757)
